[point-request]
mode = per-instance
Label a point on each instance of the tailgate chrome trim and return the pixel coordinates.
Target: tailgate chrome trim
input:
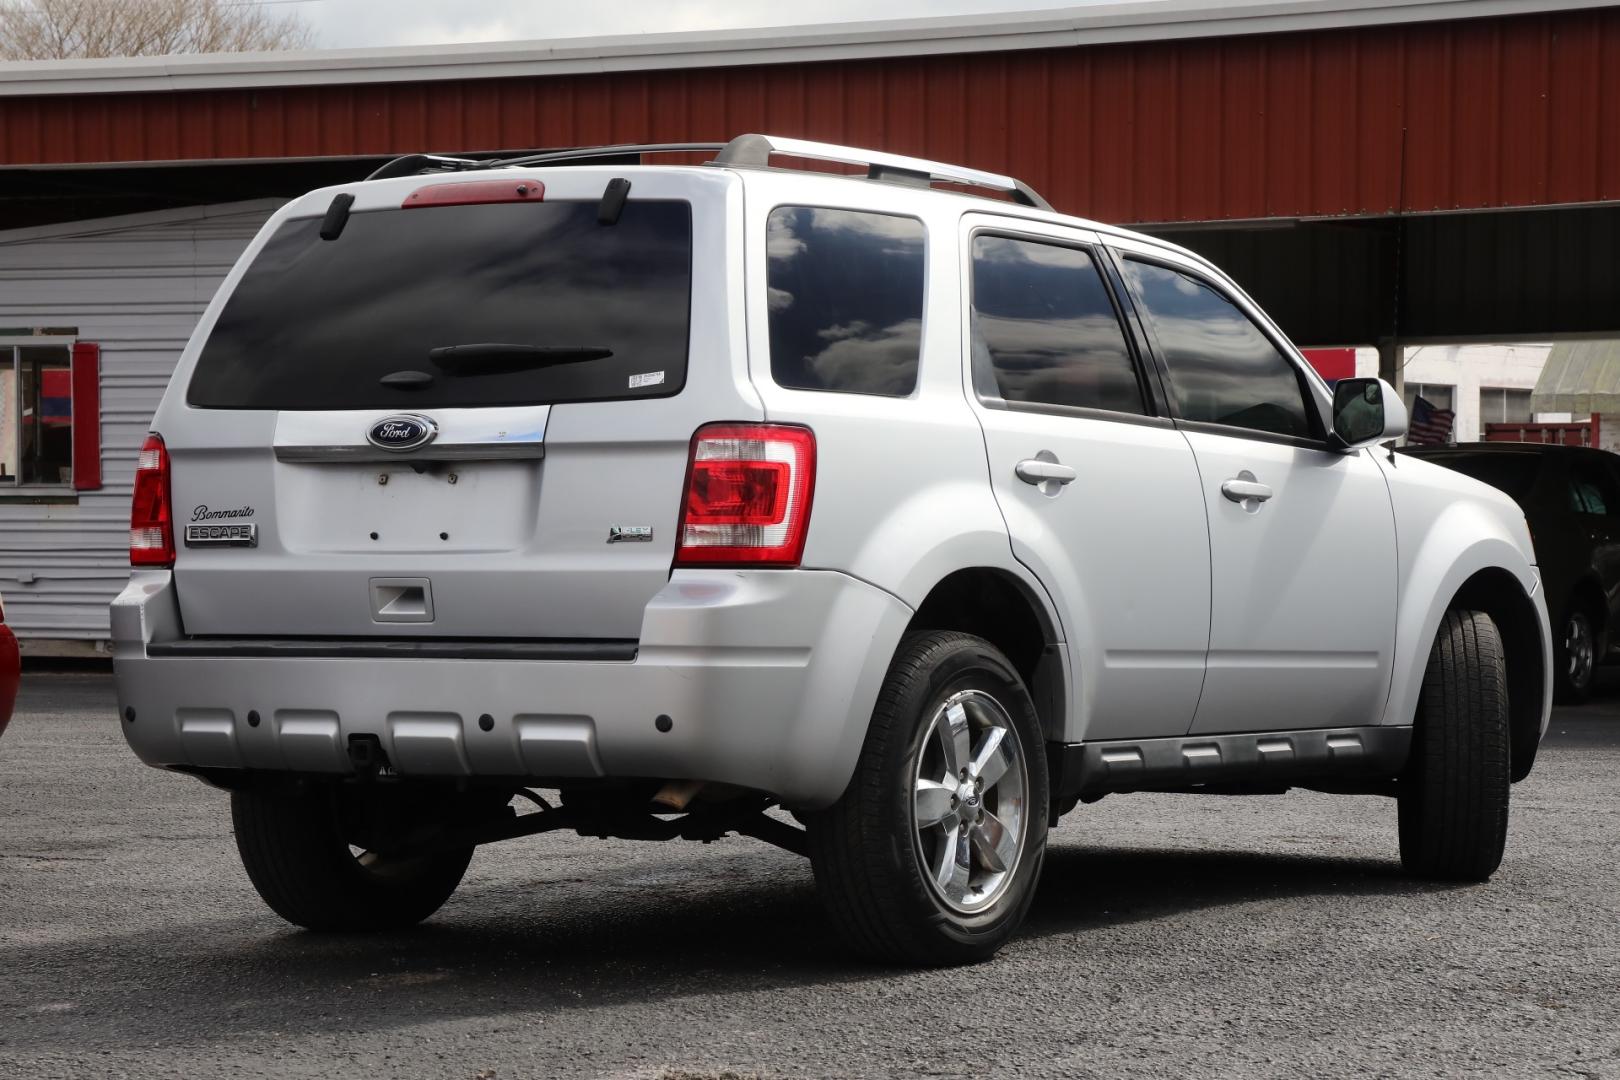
(438, 451)
(464, 434)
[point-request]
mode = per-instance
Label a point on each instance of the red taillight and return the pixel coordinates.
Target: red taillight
(475, 192)
(151, 524)
(748, 489)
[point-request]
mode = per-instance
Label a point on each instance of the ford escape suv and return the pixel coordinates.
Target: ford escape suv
(880, 522)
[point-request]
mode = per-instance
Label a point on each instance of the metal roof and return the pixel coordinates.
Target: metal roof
(1580, 377)
(1135, 20)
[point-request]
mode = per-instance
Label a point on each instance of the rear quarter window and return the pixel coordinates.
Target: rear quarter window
(845, 294)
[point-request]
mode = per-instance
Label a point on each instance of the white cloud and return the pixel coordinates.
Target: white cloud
(365, 23)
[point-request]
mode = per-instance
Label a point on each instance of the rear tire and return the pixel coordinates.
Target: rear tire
(1453, 794)
(888, 856)
(1576, 650)
(294, 848)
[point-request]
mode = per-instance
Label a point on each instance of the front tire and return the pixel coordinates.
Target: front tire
(932, 854)
(1453, 794)
(296, 848)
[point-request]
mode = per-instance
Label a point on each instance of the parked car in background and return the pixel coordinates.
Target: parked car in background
(10, 670)
(1571, 498)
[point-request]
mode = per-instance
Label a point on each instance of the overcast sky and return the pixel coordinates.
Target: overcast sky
(359, 23)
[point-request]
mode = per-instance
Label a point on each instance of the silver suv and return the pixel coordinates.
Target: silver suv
(883, 523)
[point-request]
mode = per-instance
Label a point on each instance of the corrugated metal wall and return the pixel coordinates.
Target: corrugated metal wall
(138, 291)
(1517, 111)
(1515, 275)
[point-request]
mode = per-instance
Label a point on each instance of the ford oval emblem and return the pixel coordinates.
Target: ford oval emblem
(406, 431)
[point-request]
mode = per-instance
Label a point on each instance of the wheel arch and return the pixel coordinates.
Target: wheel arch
(1497, 593)
(1463, 543)
(1009, 612)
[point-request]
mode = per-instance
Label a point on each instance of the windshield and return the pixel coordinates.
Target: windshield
(315, 324)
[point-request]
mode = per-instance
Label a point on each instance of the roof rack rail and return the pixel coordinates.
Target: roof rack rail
(747, 151)
(498, 159)
(754, 151)
(415, 163)
(589, 153)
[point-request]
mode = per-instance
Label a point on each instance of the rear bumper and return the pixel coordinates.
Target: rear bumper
(768, 678)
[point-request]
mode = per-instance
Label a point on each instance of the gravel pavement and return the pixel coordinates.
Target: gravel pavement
(1173, 936)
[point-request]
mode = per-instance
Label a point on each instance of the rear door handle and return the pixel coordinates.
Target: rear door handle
(1037, 471)
(1244, 488)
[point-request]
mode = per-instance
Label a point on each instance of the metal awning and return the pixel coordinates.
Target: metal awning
(1581, 377)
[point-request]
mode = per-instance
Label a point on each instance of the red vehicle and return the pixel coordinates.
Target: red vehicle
(10, 670)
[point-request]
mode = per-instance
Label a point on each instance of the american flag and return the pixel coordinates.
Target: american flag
(1429, 426)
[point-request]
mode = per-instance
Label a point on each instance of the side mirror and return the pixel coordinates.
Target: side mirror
(1366, 412)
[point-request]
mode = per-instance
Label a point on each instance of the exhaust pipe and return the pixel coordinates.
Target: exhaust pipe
(677, 795)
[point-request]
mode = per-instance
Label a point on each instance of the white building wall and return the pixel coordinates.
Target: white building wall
(1468, 369)
(136, 286)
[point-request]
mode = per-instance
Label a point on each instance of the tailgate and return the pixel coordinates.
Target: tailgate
(336, 472)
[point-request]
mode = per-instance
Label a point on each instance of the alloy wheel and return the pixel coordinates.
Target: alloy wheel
(1580, 650)
(969, 801)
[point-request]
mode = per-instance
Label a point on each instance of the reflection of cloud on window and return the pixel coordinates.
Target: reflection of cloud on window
(1075, 361)
(786, 233)
(1001, 251)
(894, 235)
(844, 292)
(1083, 334)
(1222, 368)
(1222, 338)
(871, 360)
(859, 328)
(781, 242)
(1175, 293)
(1049, 327)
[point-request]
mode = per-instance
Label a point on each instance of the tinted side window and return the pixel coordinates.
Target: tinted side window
(1223, 370)
(1043, 315)
(845, 290)
(1592, 489)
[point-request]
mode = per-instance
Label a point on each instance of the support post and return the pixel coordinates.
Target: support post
(1390, 368)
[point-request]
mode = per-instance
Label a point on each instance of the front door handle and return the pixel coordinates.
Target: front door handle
(1039, 471)
(1244, 488)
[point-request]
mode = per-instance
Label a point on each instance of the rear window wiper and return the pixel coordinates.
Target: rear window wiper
(500, 356)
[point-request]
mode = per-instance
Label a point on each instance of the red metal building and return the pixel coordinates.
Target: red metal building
(1406, 116)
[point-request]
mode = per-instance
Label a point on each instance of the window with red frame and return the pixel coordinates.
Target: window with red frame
(49, 413)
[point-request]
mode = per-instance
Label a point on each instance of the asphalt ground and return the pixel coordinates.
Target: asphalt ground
(1173, 936)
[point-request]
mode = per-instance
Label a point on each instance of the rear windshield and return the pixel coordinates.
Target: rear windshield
(1514, 474)
(314, 324)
